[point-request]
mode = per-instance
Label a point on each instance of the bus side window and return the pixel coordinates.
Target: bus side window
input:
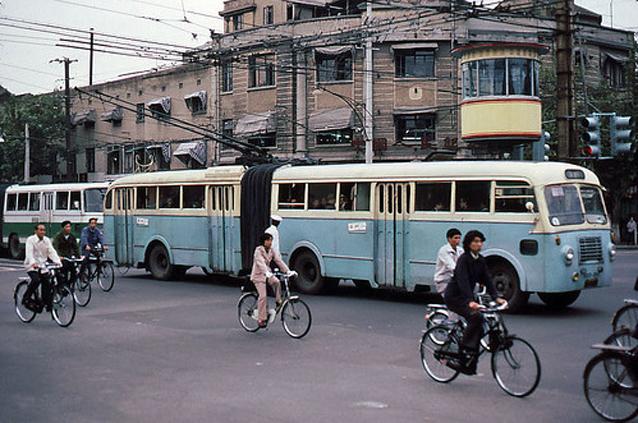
(23, 201)
(169, 197)
(512, 196)
(354, 196)
(147, 198)
(433, 197)
(11, 202)
(75, 200)
(291, 196)
(108, 202)
(322, 196)
(193, 197)
(381, 198)
(34, 202)
(473, 196)
(62, 200)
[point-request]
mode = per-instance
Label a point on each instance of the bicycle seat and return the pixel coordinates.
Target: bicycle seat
(609, 347)
(437, 306)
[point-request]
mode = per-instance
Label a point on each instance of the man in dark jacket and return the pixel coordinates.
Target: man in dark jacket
(67, 246)
(471, 269)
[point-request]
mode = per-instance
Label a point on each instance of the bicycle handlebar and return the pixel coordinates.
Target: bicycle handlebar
(493, 307)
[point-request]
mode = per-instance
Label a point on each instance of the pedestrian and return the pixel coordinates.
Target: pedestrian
(446, 260)
(633, 229)
(273, 229)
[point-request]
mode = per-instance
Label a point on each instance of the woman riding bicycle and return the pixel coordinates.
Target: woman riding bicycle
(262, 274)
(471, 269)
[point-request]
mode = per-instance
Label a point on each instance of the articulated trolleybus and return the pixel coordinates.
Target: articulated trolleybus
(379, 225)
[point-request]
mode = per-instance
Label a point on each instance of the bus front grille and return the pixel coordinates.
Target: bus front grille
(590, 250)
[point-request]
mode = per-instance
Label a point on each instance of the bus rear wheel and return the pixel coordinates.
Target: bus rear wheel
(15, 252)
(310, 280)
(559, 300)
(159, 263)
(508, 285)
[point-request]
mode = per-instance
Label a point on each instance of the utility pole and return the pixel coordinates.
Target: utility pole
(367, 78)
(27, 154)
(67, 113)
(91, 60)
(566, 136)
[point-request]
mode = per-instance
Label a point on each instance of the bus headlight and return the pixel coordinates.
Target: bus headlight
(568, 254)
(612, 252)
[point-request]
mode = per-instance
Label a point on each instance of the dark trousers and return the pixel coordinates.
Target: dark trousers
(68, 273)
(474, 331)
(36, 280)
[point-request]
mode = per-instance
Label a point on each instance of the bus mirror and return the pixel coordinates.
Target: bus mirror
(529, 206)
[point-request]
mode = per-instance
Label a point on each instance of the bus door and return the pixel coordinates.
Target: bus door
(392, 209)
(220, 228)
(122, 235)
(46, 211)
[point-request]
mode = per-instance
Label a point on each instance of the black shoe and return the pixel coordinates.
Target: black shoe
(462, 367)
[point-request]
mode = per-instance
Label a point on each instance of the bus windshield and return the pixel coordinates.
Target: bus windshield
(565, 207)
(93, 199)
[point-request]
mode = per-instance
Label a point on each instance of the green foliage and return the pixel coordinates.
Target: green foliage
(45, 116)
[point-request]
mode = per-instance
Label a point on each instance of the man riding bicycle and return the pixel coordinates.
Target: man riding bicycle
(90, 238)
(67, 246)
(38, 250)
(471, 269)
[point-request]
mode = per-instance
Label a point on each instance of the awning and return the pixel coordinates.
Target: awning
(80, 118)
(619, 58)
(422, 111)
(257, 123)
(195, 150)
(414, 46)
(331, 119)
(202, 96)
(162, 105)
(316, 3)
(114, 115)
(165, 149)
(334, 50)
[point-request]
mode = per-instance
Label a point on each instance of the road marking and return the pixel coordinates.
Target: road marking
(371, 404)
(9, 269)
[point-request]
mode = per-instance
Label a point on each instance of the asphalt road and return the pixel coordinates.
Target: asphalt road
(153, 351)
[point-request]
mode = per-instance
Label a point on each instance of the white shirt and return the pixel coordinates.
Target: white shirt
(446, 263)
(272, 230)
(631, 225)
(37, 251)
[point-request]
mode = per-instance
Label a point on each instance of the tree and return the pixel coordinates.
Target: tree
(45, 116)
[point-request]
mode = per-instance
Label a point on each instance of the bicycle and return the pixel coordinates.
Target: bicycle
(81, 288)
(103, 272)
(610, 382)
(295, 313)
(62, 304)
(511, 355)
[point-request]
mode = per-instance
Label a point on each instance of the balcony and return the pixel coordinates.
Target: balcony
(232, 7)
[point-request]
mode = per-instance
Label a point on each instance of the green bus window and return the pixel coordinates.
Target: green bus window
(147, 198)
(291, 196)
(193, 197)
(354, 197)
(23, 201)
(75, 200)
(473, 196)
(61, 200)
(11, 202)
(512, 197)
(322, 196)
(169, 197)
(433, 197)
(34, 201)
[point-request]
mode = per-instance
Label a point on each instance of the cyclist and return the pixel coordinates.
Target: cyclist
(91, 236)
(471, 269)
(38, 250)
(273, 229)
(66, 245)
(446, 260)
(262, 274)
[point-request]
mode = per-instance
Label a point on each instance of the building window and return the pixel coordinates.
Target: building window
(614, 72)
(414, 63)
(180, 85)
(163, 88)
(264, 141)
(140, 92)
(261, 71)
(227, 76)
(139, 113)
(415, 128)
(337, 67)
(199, 82)
(228, 126)
(113, 165)
(491, 75)
(128, 95)
(227, 24)
(520, 77)
(90, 159)
(338, 137)
(290, 12)
(268, 15)
(500, 77)
(238, 22)
(196, 103)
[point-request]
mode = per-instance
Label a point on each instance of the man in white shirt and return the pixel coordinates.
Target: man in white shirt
(446, 260)
(38, 250)
(275, 221)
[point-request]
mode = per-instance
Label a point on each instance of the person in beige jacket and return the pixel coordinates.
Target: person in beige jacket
(262, 274)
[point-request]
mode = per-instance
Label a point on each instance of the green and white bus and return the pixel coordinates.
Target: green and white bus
(25, 205)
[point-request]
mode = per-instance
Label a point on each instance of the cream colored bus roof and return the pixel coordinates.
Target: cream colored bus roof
(57, 187)
(212, 174)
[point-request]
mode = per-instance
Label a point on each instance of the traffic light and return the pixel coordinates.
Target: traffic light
(621, 134)
(591, 135)
(541, 148)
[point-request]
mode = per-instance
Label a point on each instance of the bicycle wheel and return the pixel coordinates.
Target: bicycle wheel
(82, 291)
(247, 312)
(63, 310)
(106, 276)
(626, 317)
(622, 338)
(611, 400)
(516, 367)
(296, 318)
(433, 358)
(24, 314)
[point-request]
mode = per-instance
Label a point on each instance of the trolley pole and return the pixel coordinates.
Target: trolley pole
(27, 154)
(91, 59)
(67, 113)
(565, 119)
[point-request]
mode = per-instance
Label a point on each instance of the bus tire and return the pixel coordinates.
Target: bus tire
(159, 263)
(559, 300)
(507, 284)
(310, 280)
(15, 252)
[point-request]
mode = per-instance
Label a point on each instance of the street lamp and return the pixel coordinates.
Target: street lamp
(353, 105)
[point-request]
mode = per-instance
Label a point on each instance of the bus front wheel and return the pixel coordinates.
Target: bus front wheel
(310, 280)
(508, 285)
(15, 252)
(159, 263)
(559, 300)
